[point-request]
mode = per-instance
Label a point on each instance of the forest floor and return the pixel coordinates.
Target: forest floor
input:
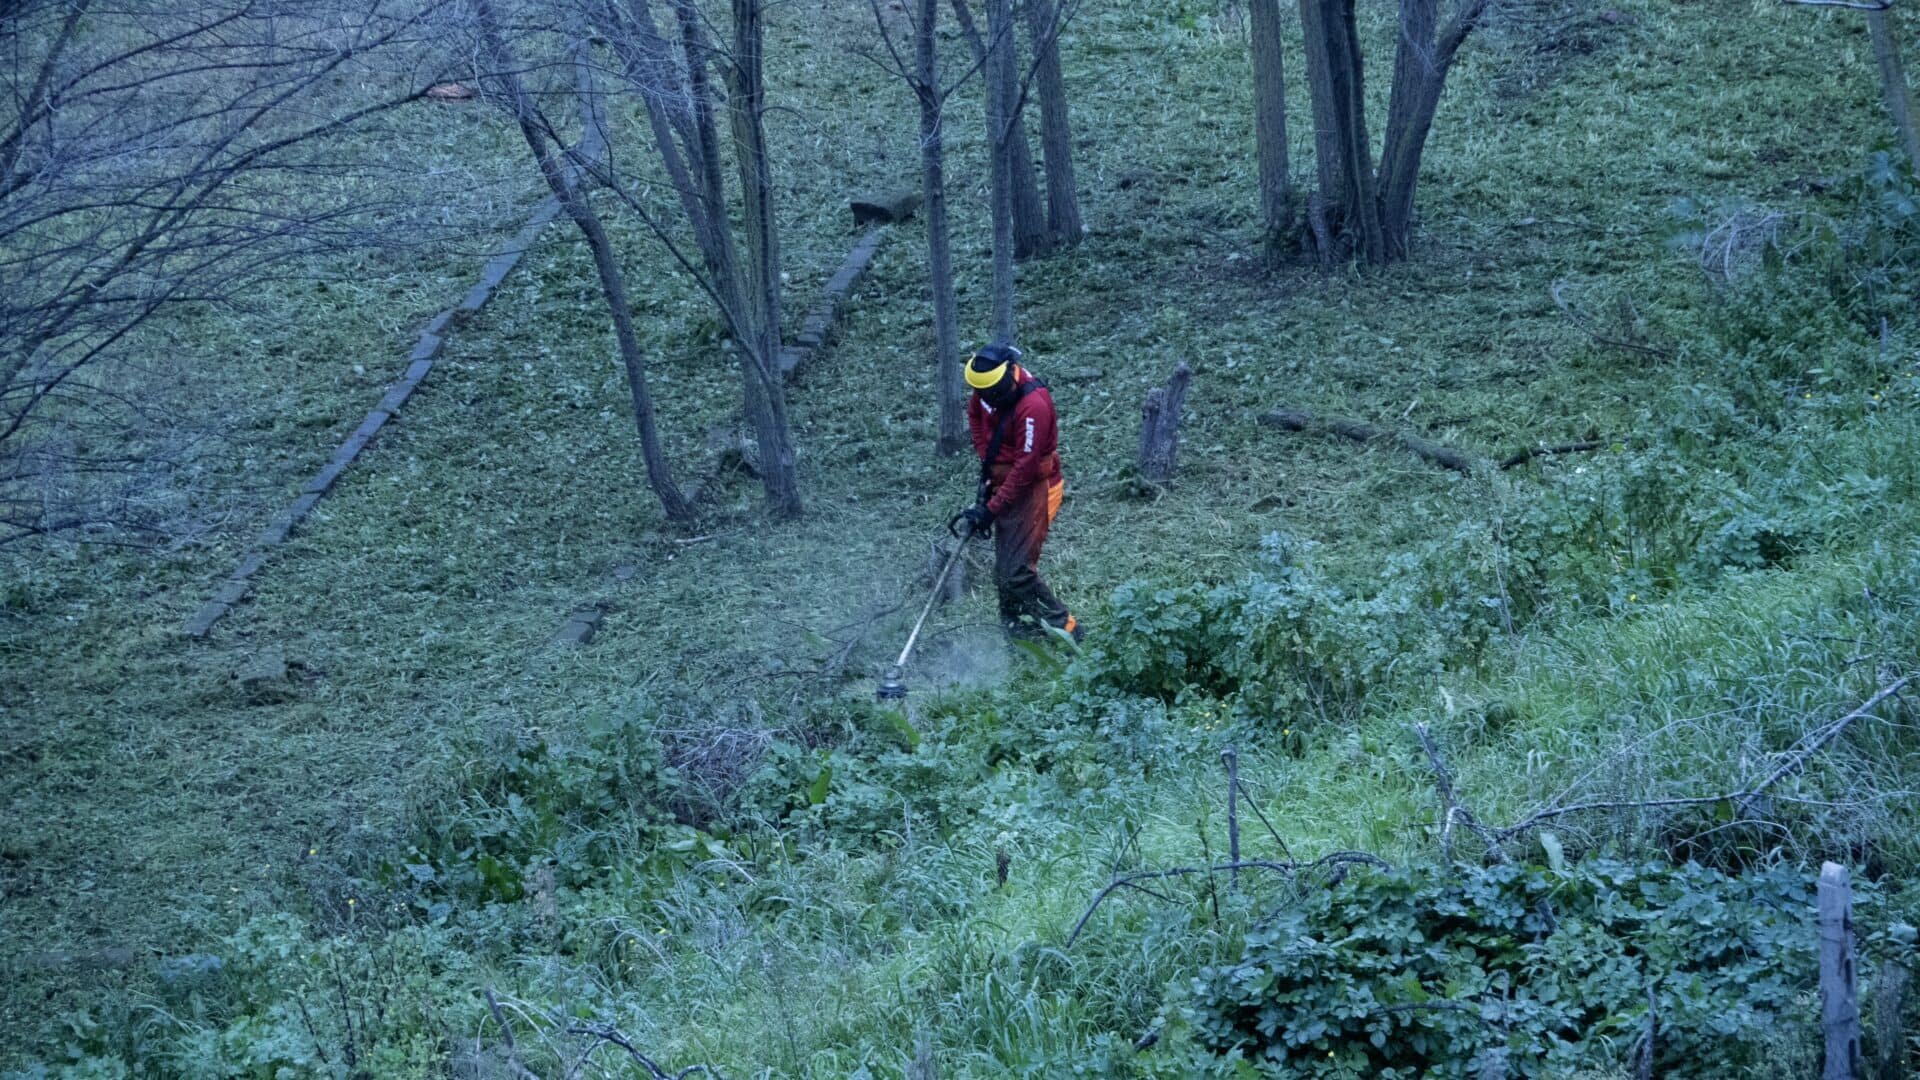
(154, 802)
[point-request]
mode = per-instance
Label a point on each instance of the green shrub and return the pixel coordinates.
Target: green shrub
(576, 806)
(1410, 973)
(1285, 639)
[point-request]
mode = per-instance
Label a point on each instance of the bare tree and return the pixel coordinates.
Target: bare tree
(673, 82)
(1270, 128)
(1044, 22)
(154, 155)
(1001, 122)
(503, 69)
(923, 78)
(1030, 235)
(1894, 90)
(1357, 210)
(1893, 83)
(766, 398)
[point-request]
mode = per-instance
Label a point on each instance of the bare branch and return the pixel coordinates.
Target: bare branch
(1132, 880)
(1456, 811)
(1742, 799)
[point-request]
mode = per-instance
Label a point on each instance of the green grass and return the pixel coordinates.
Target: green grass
(157, 808)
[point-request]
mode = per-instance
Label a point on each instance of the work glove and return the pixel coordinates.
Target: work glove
(979, 520)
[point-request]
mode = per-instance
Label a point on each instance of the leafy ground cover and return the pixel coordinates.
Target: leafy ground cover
(660, 833)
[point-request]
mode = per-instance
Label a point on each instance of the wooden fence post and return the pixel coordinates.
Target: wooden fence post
(1160, 426)
(1839, 1009)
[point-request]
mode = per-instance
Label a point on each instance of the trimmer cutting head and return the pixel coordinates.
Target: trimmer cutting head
(893, 685)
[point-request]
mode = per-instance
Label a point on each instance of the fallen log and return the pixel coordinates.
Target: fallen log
(1521, 457)
(1359, 431)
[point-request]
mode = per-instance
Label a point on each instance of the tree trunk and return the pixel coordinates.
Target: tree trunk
(1893, 84)
(1056, 133)
(1410, 105)
(933, 181)
(1029, 217)
(1335, 79)
(1421, 63)
(650, 71)
(702, 138)
(765, 392)
(1889, 1024)
(1000, 124)
(1270, 129)
(612, 281)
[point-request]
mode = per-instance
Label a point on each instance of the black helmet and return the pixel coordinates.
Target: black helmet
(991, 368)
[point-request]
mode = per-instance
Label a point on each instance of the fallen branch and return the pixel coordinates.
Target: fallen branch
(1593, 330)
(1743, 799)
(1456, 811)
(605, 1034)
(1550, 813)
(1521, 457)
(506, 1036)
(1125, 881)
(1831, 732)
(1359, 431)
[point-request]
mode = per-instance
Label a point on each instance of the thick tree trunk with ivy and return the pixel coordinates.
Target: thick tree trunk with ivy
(1029, 216)
(1270, 129)
(933, 190)
(1056, 130)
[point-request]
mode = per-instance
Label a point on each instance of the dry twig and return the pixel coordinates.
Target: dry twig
(1593, 330)
(1456, 811)
(1743, 799)
(603, 1033)
(1132, 881)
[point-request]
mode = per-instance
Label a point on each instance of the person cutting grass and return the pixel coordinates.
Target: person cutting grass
(1015, 432)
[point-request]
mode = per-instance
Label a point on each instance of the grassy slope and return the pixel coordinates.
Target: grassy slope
(157, 806)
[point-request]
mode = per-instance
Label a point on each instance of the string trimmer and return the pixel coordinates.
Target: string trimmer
(893, 685)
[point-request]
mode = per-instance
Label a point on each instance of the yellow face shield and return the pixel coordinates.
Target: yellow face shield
(986, 380)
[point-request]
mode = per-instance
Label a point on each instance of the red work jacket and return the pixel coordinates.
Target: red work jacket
(1028, 454)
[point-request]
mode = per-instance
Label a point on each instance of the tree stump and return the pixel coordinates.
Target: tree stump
(1160, 426)
(884, 209)
(1839, 1009)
